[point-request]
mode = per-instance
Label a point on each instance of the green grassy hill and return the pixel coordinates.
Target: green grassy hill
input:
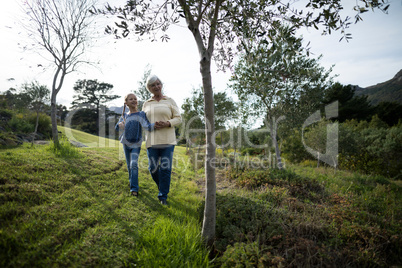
(88, 140)
(72, 208)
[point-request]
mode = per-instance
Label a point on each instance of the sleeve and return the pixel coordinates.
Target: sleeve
(145, 122)
(117, 125)
(176, 117)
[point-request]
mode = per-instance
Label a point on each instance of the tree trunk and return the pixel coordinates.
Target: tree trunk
(275, 143)
(223, 149)
(53, 111)
(208, 225)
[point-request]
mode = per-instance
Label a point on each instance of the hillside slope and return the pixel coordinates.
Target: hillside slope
(76, 211)
(390, 90)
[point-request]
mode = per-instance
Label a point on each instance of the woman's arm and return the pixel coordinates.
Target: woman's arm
(176, 117)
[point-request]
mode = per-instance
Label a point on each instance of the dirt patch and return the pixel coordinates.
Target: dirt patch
(41, 142)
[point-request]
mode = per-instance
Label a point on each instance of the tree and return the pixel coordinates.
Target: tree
(142, 92)
(350, 106)
(389, 112)
(14, 100)
(271, 79)
(92, 93)
(39, 95)
(192, 119)
(62, 28)
(62, 112)
(220, 28)
(193, 107)
(92, 96)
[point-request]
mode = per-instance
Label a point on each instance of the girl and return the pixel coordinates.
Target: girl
(131, 124)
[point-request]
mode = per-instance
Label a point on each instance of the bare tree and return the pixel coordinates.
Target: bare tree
(220, 28)
(62, 28)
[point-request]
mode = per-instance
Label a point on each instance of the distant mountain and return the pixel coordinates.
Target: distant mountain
(117, 110)
(390, 90)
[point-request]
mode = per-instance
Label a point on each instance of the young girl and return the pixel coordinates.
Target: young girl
(131, 124)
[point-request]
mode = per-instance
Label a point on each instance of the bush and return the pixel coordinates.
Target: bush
(250, 255)
(6, 114)
(252, 151)
(293, 148)
(370, 148)
(44, 123)
(241, 219)
(20, 124)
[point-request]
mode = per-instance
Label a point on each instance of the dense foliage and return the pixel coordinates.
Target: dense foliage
(320, 219)
(368, 147)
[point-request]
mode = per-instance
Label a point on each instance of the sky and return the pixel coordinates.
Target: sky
(374, 55)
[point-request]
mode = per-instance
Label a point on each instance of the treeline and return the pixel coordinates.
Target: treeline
(368, 137)
(25, 112)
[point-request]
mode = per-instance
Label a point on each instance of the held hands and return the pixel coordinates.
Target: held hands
(162, 124)
(158, 125)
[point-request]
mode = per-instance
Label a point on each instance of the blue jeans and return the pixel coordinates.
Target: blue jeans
(160, 166)
(132, 155)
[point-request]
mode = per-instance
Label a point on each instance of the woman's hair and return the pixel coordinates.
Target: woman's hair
(152, 79)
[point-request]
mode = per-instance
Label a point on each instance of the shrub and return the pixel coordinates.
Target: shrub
(249, 255)
(293, 148)
(252, 151)
(242, 219)
(6, 114)
(44, 123)
(20, 124)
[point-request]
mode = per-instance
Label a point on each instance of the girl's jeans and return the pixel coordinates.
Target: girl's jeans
(132, 155)
(160, 166)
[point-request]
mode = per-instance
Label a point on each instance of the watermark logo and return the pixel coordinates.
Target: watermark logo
(237, 137)
(332, 142)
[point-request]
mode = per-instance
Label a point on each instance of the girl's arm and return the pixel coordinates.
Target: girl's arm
(145, 122)
(121, 121)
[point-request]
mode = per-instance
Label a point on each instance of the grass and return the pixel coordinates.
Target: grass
(73, 208)
(303, 217)
(87, 139)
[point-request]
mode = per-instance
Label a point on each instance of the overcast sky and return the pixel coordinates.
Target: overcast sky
(374, 55)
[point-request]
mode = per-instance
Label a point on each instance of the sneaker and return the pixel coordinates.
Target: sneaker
(134, 194)
(163, 202)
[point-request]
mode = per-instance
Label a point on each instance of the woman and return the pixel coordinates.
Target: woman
(160, 144)
(131, 124)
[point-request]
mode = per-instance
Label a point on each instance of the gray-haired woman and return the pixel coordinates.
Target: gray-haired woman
(162, 111)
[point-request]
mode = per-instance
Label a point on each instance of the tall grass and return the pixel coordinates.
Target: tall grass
(64, 149)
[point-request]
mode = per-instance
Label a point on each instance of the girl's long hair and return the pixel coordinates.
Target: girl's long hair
(122, 114)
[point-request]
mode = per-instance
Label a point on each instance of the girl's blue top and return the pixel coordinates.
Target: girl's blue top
(140, 121)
